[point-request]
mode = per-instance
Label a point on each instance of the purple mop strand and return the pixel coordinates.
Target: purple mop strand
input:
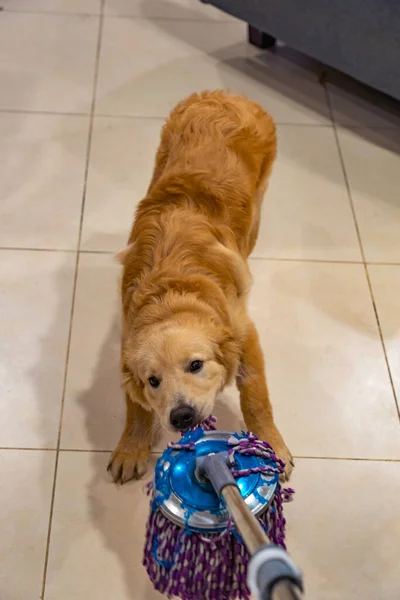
(190, 565)
(179, 446)
(208, 424)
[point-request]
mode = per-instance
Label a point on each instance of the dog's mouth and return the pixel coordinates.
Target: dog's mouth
(183, 418)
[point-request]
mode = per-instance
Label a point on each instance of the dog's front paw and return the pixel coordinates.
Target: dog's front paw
(273, 437)
(283, 453)
(128, 462)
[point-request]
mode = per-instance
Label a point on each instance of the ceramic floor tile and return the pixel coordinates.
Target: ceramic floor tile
(47, 62)
(355, 105)
(25, 495)
(372, 162)
(342, 532)
(385, 281)
(97, 534)
(41, 179)
(53, 6)
(121, 164)
(327, 374)
(168, 9)
(94, 404)
(307, 213)
(35, 307)
(176, 59)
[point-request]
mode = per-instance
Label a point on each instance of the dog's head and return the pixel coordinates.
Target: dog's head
(178, 366)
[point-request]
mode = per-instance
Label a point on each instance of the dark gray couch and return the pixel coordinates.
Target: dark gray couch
(358, 37)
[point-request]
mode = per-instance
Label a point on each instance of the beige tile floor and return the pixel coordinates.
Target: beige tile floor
(84, 86)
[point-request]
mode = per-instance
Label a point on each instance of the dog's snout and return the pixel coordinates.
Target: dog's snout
(182, 418)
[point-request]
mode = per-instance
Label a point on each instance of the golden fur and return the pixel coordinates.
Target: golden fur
(186, 277)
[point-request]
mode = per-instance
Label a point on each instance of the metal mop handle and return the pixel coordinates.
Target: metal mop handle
(272, 575)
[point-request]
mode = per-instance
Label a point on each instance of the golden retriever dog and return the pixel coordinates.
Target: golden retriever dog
(186, 333)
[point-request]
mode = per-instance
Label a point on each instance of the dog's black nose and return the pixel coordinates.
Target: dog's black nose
(182, 418)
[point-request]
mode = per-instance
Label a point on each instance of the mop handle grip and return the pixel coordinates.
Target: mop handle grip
(272, 575)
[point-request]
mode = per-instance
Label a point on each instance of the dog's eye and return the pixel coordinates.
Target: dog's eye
(195, 366)
(154, 382)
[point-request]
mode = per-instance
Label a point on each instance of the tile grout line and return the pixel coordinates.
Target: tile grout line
(199, 19)
(29, 249)
(159, 452)
(306, 260)
(382, 340)
(345, 177)
(364, 261)
(277, 259)
(62, 250)
(37, 112)
(137, 117)
(53, 13)
(88, 151)
(28, 448)
(347, 458)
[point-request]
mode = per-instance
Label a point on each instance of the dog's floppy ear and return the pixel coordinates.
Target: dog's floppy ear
(133, 386)
(132, 268)
(228, 353)
(122, 255)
